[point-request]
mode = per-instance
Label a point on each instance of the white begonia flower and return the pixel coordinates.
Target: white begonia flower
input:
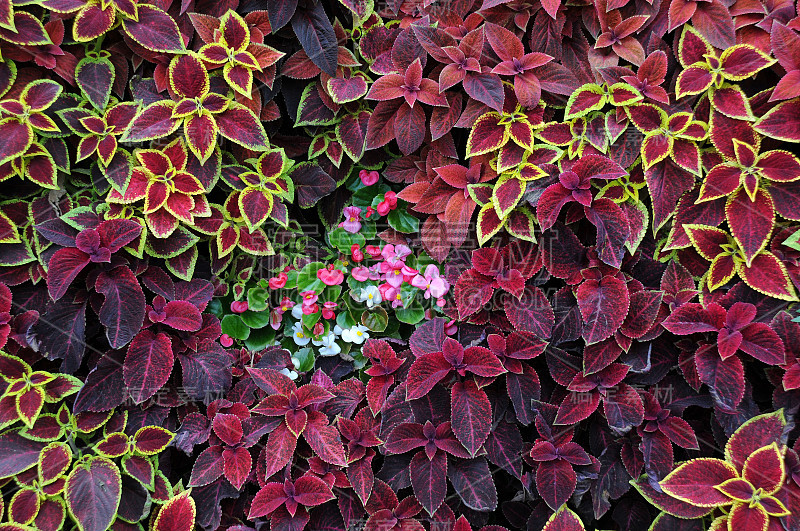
(357, 334)
(291, 374)
(337, 330)
(297, 311)
(329, 345)
(371, 295)
(300, 337)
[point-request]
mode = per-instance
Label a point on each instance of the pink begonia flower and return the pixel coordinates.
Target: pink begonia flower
(225, 340)
(398, 252)
(239, 306)
(327, 310)
(360, 273)
(310, 309)
(278, 282)
(309, 297)
(368, 178)
(330, 276)
(434, 285)
(393, 294)
(352, 219)
(409, 273)
(276, 315)
(373, 250)
(393, 271)
(356, 254)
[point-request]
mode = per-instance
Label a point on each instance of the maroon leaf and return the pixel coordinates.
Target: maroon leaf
(531, 313)
(555, 481)
(123, 309)
(148, 364)
(429, 479)
(155, 30)
(471, 415)
(604, 305)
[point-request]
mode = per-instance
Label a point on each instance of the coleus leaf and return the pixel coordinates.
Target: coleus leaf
(564, 519)
(694, 482)
(177, 514)
(148, 364)
(122, 311)
(93, 491)
(472, 415)
(155, 30)
(604, 305)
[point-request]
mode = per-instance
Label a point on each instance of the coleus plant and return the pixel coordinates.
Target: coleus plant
(579, 294)
(749, 479)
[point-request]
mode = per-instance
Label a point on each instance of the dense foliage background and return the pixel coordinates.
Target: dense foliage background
(399, 265)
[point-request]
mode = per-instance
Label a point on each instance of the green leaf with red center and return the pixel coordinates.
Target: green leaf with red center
(695, 481)
(188, 77)
(54, 460)
(151, 440)
(238, 124)
(724, 130)
(148, 364)
(255, 205)
(708, 241)
(28, 31)
(346, 89)
(140, 468)
(742, 61)
(732, 102)
(13, 368)
(620, 94)
(93, 491)
(93, 21)
(755, 433)
(721, 181)
(95, 77)
(768, 275)
(585, 99)
(693, 80)
(29, 404)
(155, 30)
(692, 47)
(647, 117)
(351, 132)
(177, 514)
(751, 222)
(113, 445)
(487, 134)
(737, 489)
(564, 519)
(506, 194)
(765, 469)
(17, 139)
(154, 121)
(743, 516)
(7, 15)
(666, 502)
